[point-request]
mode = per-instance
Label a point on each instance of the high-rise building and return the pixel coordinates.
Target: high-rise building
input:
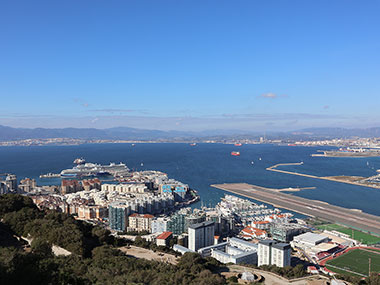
(201, 235)
(176, 224)
(11, 182)
(284, 232)
(264, 253)
(273, 253)
(159, 225)
(118, 216)
(3, 188)
(281, 254)
(193, 219)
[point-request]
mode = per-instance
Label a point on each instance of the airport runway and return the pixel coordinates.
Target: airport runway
(323, 210)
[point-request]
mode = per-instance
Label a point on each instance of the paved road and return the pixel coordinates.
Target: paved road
(307, 207)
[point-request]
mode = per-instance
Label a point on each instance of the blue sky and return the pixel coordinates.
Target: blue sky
(190, 65)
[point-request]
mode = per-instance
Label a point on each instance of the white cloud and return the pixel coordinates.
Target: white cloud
(269, 95)
(272, 96)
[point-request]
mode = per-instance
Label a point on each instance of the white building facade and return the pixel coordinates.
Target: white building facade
(201, 235)
(271, 252)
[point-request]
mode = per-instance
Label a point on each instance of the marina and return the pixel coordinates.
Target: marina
(314, 208)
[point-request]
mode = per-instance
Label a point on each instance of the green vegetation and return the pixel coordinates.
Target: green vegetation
(106, 266)
(315, 221)
(26, 220)
(95, 260)
(356, 261)
(355, 234)
(135, 233)
(287, 271)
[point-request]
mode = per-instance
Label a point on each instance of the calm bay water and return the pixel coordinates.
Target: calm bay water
(205, 164)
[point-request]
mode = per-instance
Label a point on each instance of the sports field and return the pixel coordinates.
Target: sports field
(355, 234)
(356, 262)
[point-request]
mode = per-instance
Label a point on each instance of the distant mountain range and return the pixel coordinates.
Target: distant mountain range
(340, 132)
(125, 133)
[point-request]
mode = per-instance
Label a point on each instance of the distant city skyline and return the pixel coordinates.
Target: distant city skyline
(190, 65)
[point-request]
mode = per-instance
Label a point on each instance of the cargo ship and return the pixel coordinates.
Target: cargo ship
(235, 153)
(237, 144)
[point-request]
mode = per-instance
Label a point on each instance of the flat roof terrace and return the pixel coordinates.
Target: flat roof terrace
(314, 208)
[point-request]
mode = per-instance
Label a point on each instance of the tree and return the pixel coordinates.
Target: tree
(373, 279)
(41, 247)
(14, 202)
(298, 271)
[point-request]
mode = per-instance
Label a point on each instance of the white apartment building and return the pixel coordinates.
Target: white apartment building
(264, 253)
(201, 235)
(273, 253)
(281, 254)
(125, 188)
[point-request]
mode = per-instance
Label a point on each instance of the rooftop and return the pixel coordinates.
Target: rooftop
(310, 237)
(281, 245)
(165, 235)
(201, 225)
(267, 242)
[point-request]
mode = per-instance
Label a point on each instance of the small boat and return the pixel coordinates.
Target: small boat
(142, 164)
(259, 158)
(237, 144)
(133, 144)
(79, 160)
(193, 144)
(252, 162)
(235, 153)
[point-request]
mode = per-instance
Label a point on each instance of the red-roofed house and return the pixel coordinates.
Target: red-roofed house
(251, 232)
(262, 225)
(70, 186)
(164, 238)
